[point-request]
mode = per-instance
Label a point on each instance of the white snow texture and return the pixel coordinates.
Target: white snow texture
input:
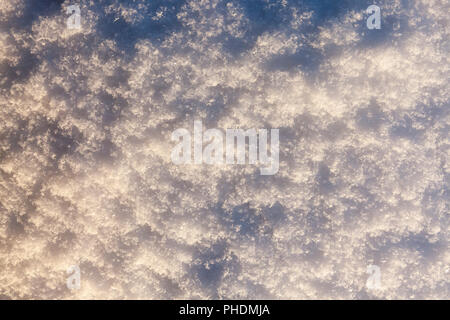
(86, 177)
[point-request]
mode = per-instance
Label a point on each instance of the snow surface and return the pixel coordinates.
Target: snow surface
(86, 176)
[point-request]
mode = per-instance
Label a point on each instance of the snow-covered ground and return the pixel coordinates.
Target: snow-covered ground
(86, 177)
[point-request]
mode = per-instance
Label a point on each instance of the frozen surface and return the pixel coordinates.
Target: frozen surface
(85, 171)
